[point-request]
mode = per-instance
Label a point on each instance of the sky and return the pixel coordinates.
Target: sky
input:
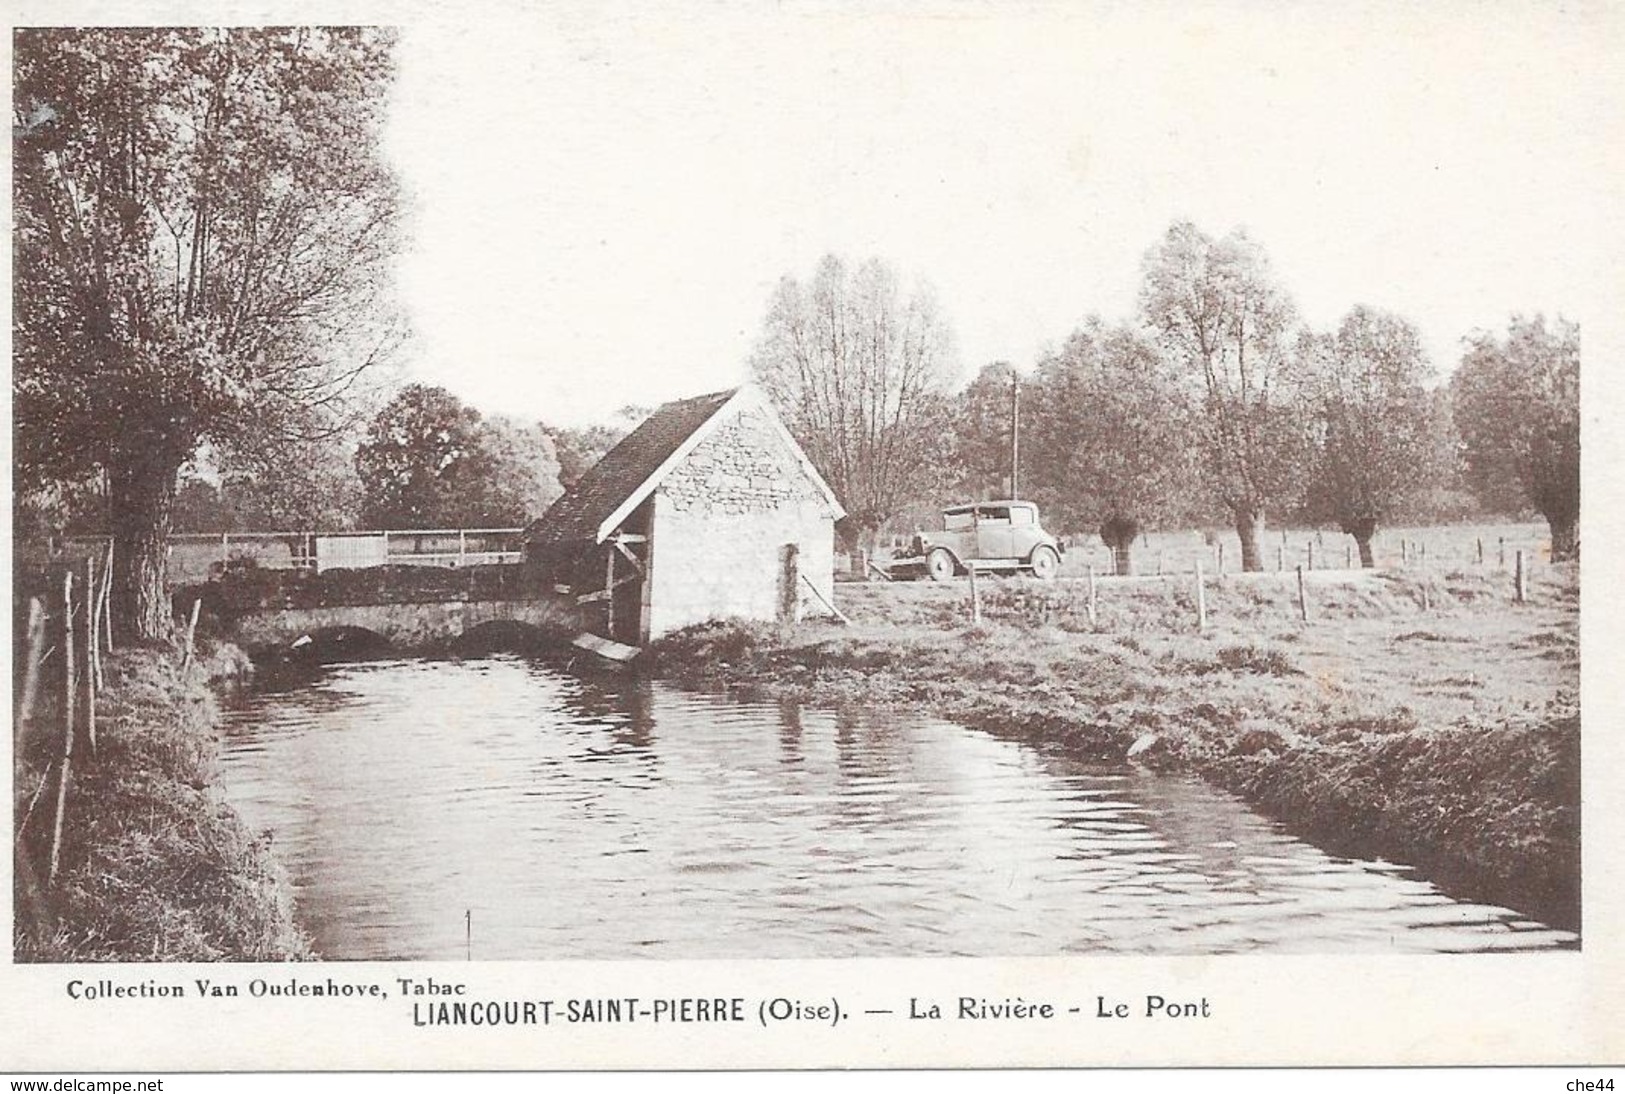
(604, 197)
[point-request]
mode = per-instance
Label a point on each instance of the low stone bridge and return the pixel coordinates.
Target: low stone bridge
(412, 608)
(420, 625)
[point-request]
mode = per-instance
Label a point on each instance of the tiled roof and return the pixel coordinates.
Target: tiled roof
(624, 468)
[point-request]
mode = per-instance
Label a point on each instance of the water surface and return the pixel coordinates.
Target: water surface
(504, 808)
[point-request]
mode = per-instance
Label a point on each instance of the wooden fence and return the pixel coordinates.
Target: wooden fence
(1302, 599)
(69, 629)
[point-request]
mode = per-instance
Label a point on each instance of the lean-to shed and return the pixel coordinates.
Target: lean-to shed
(695, 515)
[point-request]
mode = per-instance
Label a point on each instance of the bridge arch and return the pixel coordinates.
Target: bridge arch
(492, 635)
(340, 642)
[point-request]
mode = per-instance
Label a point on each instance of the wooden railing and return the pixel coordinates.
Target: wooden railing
(193, 555)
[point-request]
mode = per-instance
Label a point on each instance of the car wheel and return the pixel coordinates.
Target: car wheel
(940, 565)
(1045, 563)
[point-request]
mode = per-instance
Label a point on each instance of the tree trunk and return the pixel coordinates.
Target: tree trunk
(1363, 532)
(1250, 529)
(1565, 528)
(1118, 533)
(855, 535)
(142, 501)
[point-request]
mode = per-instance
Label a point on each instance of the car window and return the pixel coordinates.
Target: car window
(956, 520)
(1020, 515)
(994, 512)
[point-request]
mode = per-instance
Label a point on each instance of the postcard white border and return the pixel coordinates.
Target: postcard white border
(1267, 1010)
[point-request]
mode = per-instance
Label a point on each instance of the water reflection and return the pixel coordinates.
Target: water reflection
(580, 817)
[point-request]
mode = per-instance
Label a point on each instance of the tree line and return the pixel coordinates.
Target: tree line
(425, 459)
(204, 230)
(1213, 404)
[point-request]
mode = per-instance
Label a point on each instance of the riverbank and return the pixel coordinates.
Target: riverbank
(1419, 717)
(155, 864)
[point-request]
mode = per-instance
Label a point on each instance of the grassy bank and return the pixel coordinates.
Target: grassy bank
(155, 865)
(1420, 717)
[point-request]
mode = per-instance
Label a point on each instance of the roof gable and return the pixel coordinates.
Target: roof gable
(617, 484)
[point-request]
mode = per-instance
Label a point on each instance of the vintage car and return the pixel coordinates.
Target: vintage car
(992, 535)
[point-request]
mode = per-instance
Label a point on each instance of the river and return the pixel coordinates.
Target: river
(504, 808)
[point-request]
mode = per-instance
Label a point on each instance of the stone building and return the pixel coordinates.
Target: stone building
(708, 510)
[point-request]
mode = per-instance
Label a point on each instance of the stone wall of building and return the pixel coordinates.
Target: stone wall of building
(720, 521)
(743, 467)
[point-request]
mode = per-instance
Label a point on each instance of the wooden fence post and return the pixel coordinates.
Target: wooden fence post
(1503, 551)
(67, 723)
(1093, 618)
(94, 609)
(1481, 550)
(107, 594)
(30, 690)
(93, 632)
(1280, 557)
(975, 597)
(1404, 551)
(1221, 556)
(1348, 556)
(1311, 554)
(191, 633)
(1303, 598)
(69, 683)
(92, 658)
(1201, 598)
(1520, 581)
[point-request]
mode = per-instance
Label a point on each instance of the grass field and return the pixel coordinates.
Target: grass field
(1322, 549)
(1419, 714)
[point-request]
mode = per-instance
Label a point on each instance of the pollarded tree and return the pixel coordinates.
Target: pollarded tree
(1517, 405)
(203, 224)
(1373, 421)
(1225, 323)
(859, 372)
(1106, 433)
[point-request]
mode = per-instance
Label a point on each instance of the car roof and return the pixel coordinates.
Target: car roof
(984, 504)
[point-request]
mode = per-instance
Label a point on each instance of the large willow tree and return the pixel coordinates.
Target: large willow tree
(1226, 324)
(1109, 437)
(1517, 404)
(1374, 421)
(203, 223)
(859, 371)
